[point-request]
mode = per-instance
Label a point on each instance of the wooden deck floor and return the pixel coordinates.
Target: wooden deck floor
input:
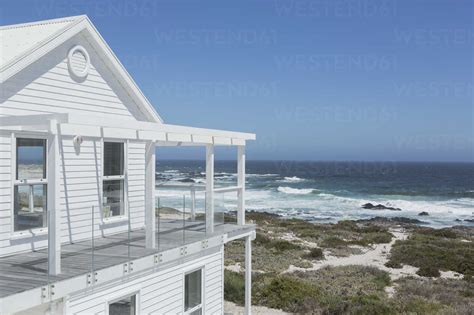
(27, 271)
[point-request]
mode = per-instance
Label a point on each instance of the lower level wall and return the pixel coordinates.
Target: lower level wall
(161, 292)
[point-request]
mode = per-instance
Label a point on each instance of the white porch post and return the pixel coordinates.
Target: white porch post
(241, 183)
(248, 275)
(210, 188)
(150, 218)
(53, 205)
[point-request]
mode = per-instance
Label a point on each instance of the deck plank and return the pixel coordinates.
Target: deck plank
(28, 270)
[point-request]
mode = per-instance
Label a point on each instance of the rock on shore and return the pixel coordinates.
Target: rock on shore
(371, 206)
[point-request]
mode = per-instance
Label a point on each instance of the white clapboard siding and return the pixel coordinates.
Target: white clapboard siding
(77, 198)
(80, 193)
(46, 86)
(136, 182)
(5, 191)
(160, 292)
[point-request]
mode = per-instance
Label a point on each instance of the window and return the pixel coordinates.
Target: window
(113, 180)
(30, 191)
(193, 293)
(125, 306)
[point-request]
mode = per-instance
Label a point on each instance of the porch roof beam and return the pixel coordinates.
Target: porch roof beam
(162, 138)
(90, 126)
(32, 120)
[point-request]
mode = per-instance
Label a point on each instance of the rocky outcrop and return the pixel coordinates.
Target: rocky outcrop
(379, 207)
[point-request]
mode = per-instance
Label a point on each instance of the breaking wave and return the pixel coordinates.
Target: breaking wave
(295, 191)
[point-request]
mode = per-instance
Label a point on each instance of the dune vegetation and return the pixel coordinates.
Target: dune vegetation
(288, 257)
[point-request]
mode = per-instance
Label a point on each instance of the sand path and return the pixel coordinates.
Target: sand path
(375, 256)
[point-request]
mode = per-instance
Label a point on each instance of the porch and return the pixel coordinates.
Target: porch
(24, 278)
(48, 274)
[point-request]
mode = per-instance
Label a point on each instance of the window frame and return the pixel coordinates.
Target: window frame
(123, 178)
(28, 182)
(201, 305)
(122, 295)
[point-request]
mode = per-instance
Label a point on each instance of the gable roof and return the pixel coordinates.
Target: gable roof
(23, 44)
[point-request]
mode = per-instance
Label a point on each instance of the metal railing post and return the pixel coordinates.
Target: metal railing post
(184, 219)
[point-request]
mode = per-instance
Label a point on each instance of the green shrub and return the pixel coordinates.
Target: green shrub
(283, 245)
(315, 254)
(276, 244)
(428, 271)
(382, 237)
(430, 251)
(234, 287)
(287, 293)
(370, 304)
(332, 241)
(429, 295)
(261, 239)
(393, 264)
(421, 306)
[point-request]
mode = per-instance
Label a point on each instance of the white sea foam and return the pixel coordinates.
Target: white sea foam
(293, 179)
(262, 175)
(295, 191)
(312, 204)
(172, 171)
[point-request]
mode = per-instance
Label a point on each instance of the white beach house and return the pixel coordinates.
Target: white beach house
(81, 228)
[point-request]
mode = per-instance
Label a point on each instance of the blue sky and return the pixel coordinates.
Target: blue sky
(315, 79)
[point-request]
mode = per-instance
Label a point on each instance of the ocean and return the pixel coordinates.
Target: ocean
(333, 191)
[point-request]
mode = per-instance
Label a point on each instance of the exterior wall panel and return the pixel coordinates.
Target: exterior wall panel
(161, 292)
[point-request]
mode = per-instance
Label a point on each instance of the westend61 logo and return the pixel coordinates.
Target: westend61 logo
(336, 113)
(336, 62)
(435, 142)
(424, 37)
(331, 168)
(435, 89)
(243, 37)
(216, 88)
(336, 8)
(126, 8)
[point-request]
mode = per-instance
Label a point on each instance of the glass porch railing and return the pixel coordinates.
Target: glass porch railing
(115, 234)
(226, 205)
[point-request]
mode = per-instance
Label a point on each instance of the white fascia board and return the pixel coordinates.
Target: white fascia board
(238, 141)
(80, 130)
(32, 120)
(151, 135)
(208, 132)
(179, 137)
(222, 141)
(202, 139)
(121, 133)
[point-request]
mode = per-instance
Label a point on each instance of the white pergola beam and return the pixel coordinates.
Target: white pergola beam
(151, 135)
(157, 127)
(32, 120)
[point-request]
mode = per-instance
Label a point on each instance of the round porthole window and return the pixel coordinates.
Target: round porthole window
(78, 62)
